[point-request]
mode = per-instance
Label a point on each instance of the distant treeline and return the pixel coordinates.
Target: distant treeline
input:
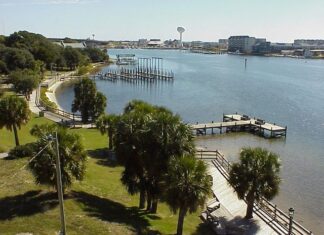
(24, 50)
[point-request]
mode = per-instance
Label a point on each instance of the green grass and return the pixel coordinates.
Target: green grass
(7, 137)
(97, 205)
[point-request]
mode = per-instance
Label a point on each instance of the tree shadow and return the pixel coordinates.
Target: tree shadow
(239, 225)
(104, 157)
(108, 210)
(27, 204)
(203, 229)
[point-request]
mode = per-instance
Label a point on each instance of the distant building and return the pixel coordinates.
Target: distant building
(309, 44)
(197, 44)
(142, 42)
(76, 45)
(243, 44)
(261, 48)
(155, 43)
(278, 47)
(223, 43)
(172, 43)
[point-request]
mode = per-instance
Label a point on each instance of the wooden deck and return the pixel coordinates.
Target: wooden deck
(268, 219)
(237, 122)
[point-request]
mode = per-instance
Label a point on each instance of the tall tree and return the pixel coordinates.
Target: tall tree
(255, 176)
(24, 81)
(149, 135)
(14, 113)
(88, 100)
(72, 156)
(187, 186)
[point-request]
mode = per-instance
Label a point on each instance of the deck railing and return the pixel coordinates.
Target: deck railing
(264, 208)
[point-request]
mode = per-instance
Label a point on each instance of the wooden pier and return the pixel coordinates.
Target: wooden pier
(147, 69)
(237, 122)
(136, 74)
(225, 213)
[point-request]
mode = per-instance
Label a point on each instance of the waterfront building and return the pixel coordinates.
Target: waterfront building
(261, 48)
(142, 42)
(278, 47)
(155, 43)
(309, 44)
(223, 43)
(242, 44)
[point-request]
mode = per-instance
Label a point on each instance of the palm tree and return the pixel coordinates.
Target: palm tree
(256, 176)
(14, 113)
(106, 125)
(72, 156)
(187, 186)
(167, 137)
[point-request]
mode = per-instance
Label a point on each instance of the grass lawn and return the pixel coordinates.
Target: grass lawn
(97, 205)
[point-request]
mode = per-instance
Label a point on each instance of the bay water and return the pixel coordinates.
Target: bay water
(289, 92)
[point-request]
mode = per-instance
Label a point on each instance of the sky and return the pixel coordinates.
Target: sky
(204, 20)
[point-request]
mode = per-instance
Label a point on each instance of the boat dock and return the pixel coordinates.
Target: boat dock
(237, 122)
(147, 69)
(225, 212)
(135, 74)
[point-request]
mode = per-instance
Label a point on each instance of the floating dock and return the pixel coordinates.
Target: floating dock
(237, 123)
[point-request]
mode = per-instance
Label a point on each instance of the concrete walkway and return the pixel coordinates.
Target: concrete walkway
(232, 211)
(49, 115)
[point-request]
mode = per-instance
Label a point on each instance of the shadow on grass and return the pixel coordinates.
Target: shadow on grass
(108, 210)
(27, 204)
(104, 157)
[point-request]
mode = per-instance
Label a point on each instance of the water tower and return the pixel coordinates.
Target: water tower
(180, 31)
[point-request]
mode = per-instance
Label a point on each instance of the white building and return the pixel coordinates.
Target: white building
(155, 43)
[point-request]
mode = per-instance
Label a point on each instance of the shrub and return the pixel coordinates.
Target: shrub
(22, 151)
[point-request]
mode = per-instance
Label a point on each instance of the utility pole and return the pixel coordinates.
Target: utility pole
(59, 187)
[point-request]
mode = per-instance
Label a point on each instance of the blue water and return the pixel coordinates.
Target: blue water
(281, 90)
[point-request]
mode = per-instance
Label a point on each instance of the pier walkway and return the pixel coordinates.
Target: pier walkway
(227, 216)
(237, 122)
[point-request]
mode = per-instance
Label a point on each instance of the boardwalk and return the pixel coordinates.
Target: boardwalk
(268, 219)
(237, 122)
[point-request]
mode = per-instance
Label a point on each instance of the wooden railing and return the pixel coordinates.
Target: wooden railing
(43, 106)
(266, 210)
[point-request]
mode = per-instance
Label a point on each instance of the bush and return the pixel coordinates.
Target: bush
(49, 104)
(22, 151)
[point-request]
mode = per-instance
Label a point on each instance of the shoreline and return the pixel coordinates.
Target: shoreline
(51, 91)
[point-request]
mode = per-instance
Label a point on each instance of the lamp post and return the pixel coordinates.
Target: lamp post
(291, 217)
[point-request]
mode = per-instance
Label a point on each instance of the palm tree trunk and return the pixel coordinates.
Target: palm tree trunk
(154, 205)
(16, 134)
(149, 202)
(182, 214)
(110, 139)
(142, 199)
(250, 203)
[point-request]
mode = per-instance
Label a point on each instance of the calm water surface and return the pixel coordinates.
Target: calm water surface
(281, 90)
